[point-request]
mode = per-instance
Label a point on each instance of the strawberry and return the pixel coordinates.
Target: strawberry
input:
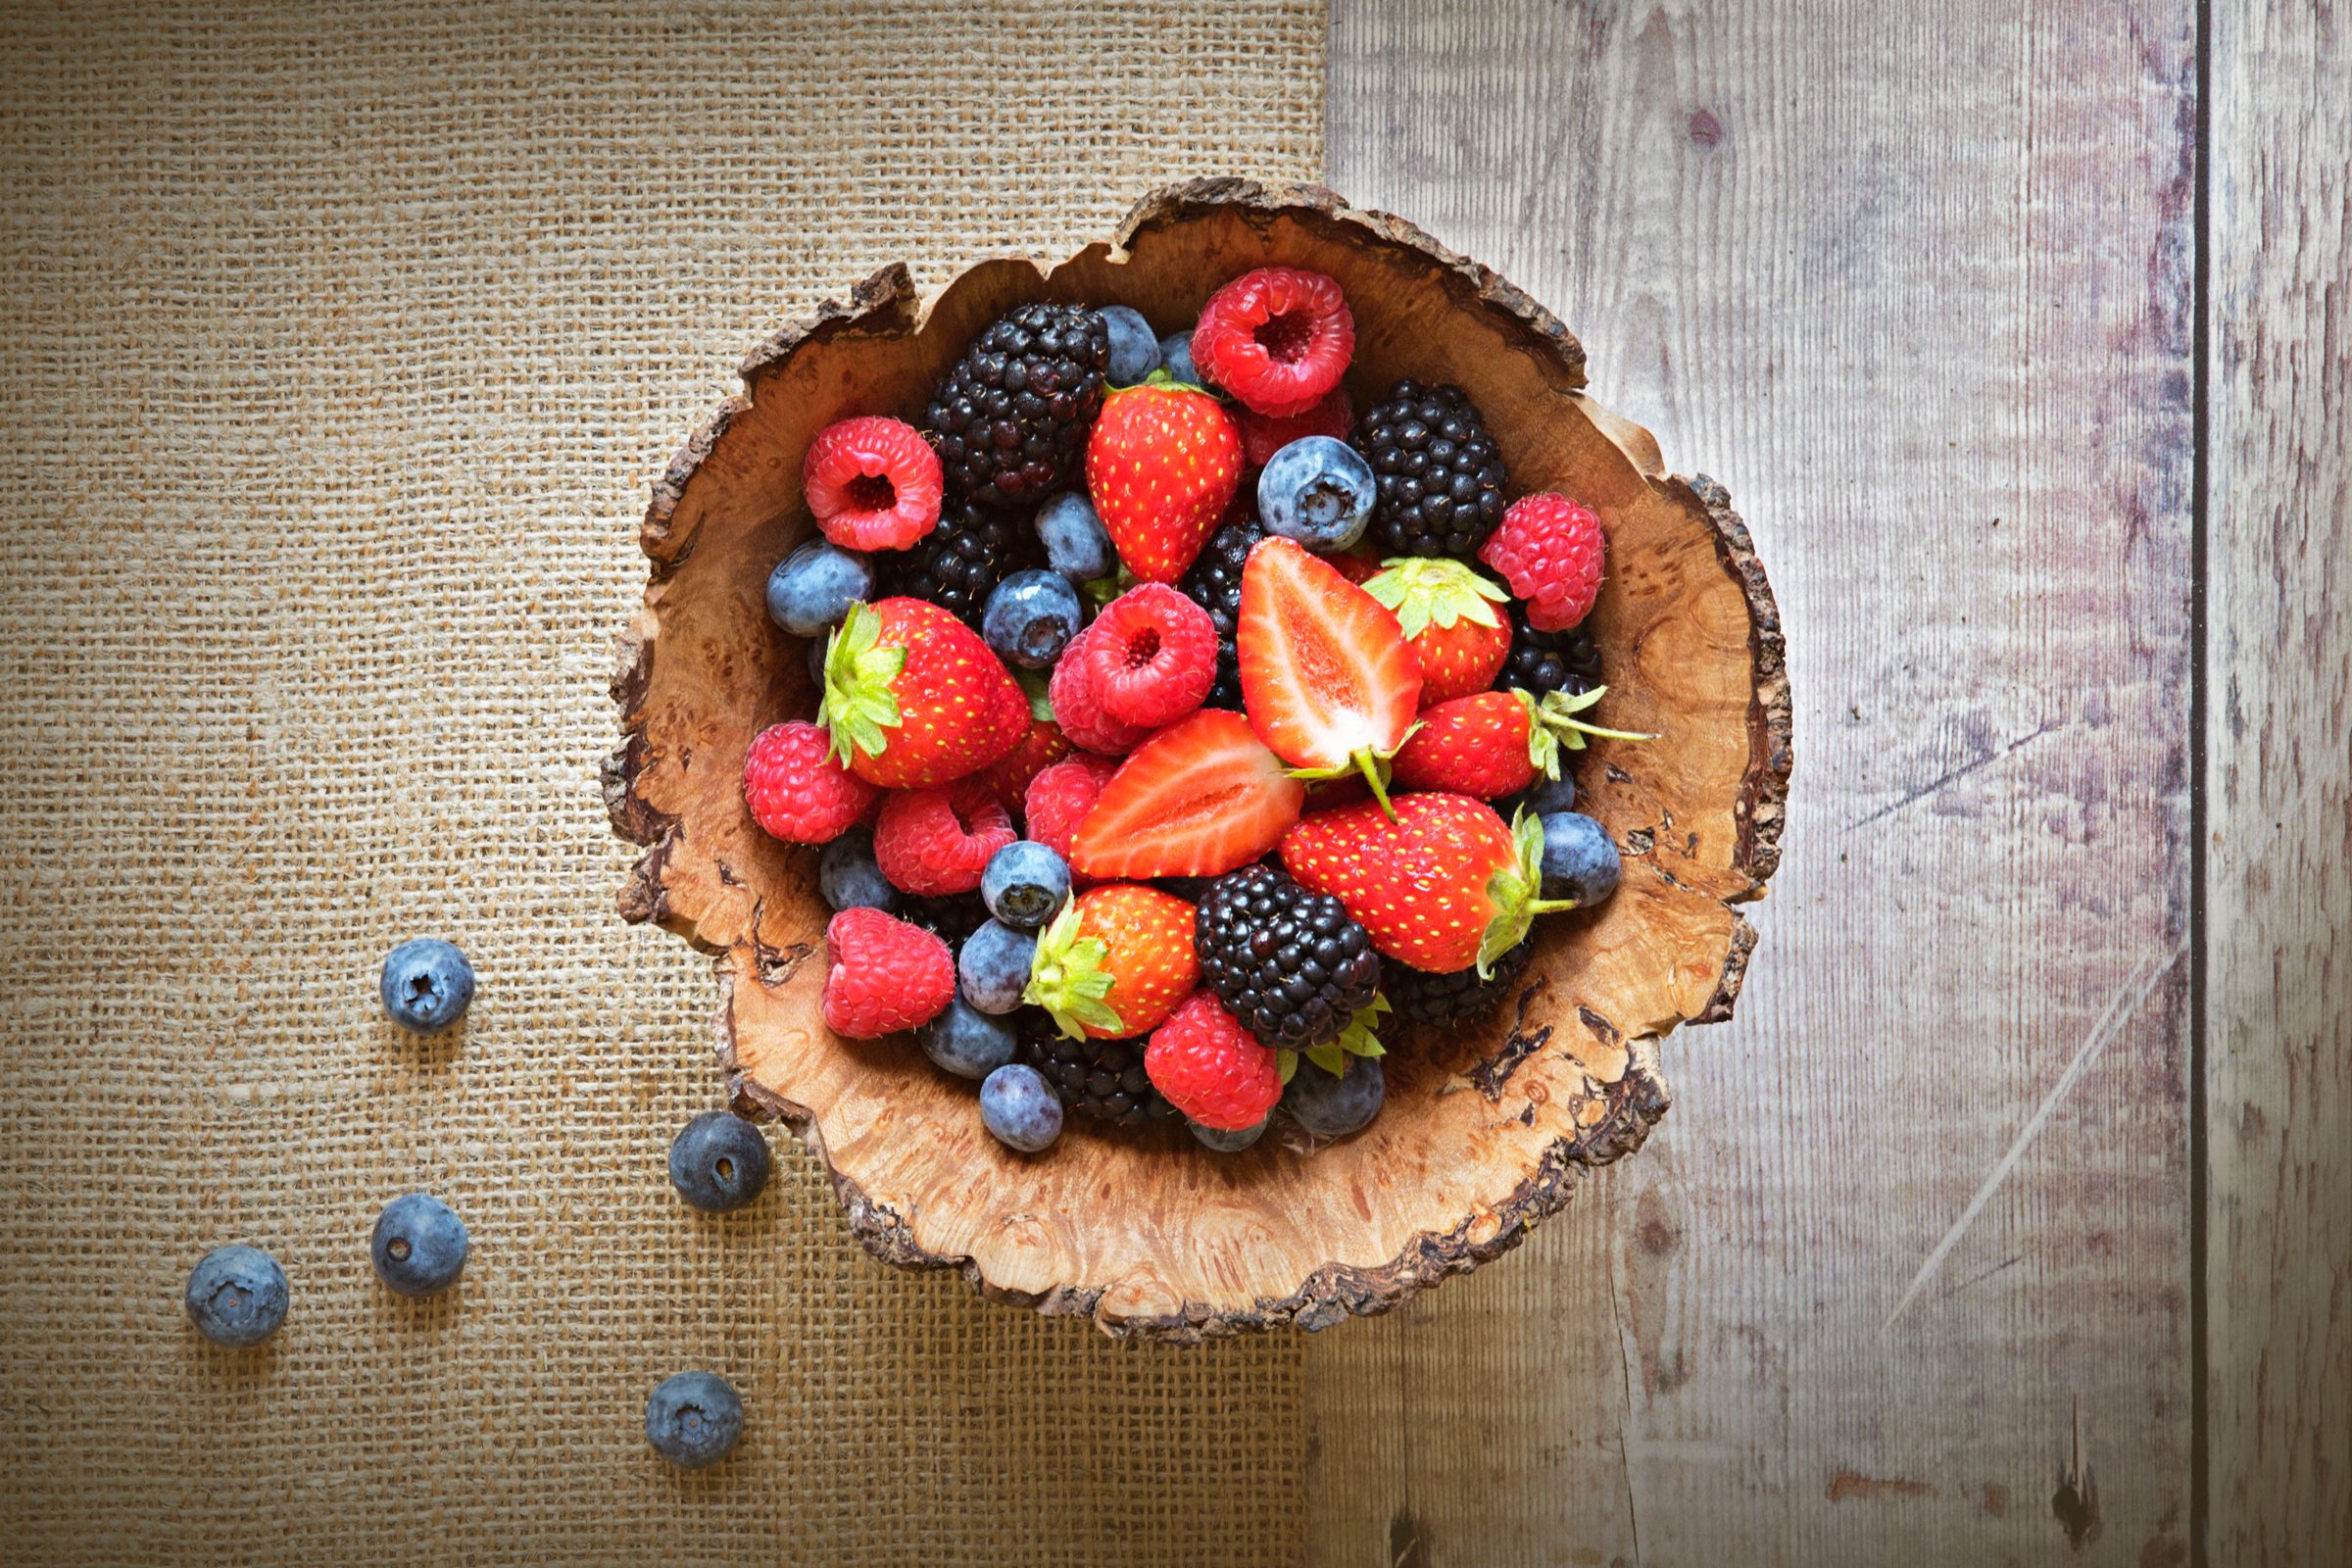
(1211, 1068)
(1161, 465)
(1358, 566)
(1199, 798)
(1114, 962)
(1491, 744)
(914, 698)
(1326, 676)
(1440, 885)
(1448, 616)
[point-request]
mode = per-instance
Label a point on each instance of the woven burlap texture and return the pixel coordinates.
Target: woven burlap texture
(343, 343)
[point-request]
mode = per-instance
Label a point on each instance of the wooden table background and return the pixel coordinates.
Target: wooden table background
(2011, 1220)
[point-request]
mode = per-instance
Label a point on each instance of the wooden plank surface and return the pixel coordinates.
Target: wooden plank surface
(2279, 881)
(1905, 1275)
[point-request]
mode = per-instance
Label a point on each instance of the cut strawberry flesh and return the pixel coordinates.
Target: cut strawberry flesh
(1328, 678)
(1198, 799)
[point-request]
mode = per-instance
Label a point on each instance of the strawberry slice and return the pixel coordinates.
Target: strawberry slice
(1327, 676)
(1198, 799)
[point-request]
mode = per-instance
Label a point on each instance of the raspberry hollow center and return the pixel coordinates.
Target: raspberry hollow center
(871, 492)
(1144, 648)
(1285, 337)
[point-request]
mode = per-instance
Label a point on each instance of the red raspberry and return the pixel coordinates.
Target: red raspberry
(1549, 549)
(1205, 1064)
(1278, 340)
(1263, 436)
(872, 483)
(1061, 796)
(885, 975)
(1077, 702)
(1007, 778)
(797, 791)
(1151, 656)
(938, 841)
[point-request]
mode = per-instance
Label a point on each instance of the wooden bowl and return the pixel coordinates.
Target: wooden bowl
(1484, 1132)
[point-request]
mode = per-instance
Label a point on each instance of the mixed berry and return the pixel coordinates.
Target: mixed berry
(1179, 729)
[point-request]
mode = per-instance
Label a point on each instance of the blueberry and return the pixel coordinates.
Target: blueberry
(848, 878)
(1319, 491)
(1332, 1108)
(1228, 1142)
(1025, 884)
(694, 1419)
(1579, 860)
(426, 985)
(236, 1296)
(1031, 617)
(994, 966)
(1548, 795)
(817, 661)
(420, 1244)
(1134, 346)
(1077, 545)
(1176, 358)
(813, 587)
(966, 1041)
(718, 1161)
(1020, 1109)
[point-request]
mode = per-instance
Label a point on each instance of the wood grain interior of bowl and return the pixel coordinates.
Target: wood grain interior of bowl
(1484, 1132)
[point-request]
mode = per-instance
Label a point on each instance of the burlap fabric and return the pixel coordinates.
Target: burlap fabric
(341, 345)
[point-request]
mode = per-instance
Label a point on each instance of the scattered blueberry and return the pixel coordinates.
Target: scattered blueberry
(1031, 617)
(1025, 884)
(994, 966)
(813, 587)
(966, 1041)
(1332, 1108)
(426, 985)
(1134, 346)
(694, 1419)
(1227, 1143)
(1580, 861)
(236, 1296)
(1176, 358)
(420, 1244)
(1020, 1109)
(718, 1161)
(817, 661)
(1319, 491)
(1548, 795)
(1077, 545)
(848, 878)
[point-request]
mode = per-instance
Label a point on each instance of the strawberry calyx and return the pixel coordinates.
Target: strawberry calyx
(1033, 686)
(1423, 591)
(1068, 978)
(858, 702)
(1515, 891)
(1552, 726)
(1357, 1040)
(1371, 761)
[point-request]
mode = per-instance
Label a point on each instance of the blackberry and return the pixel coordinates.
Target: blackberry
(1215, 584)
(1415, 996)
(957, 564)
(952, 917)
(1547, 661)
(1009, 422)
(1288, 963)
(1439, 474)
(1104, 1078)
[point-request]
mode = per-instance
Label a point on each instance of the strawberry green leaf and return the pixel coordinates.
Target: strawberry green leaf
(1329, 1057)
(1424, 591)
(1513, 891)
(1067, 979)
(1286, 1063)
(1033, 685)
(859, 701)
(1557, 715)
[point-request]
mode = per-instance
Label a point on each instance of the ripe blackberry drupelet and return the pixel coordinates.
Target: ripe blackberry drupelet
(1439, 474)
(1215, 584)
(1103, 1078)
(957, 564)
(1010, 421)
(1288, 963)
(1547, 661)
(1416, 996)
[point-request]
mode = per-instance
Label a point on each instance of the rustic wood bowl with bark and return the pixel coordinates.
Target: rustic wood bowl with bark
(1484, 1132)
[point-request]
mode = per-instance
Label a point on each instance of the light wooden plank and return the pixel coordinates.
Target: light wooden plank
(2278, 774)
(1907, 1264)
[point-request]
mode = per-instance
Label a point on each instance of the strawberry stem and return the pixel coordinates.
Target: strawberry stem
(1371, 764)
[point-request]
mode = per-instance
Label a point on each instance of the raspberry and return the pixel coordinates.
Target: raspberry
(798, 792)
(1077, 702)
(1059, 798)
(937, 841)
(1151, 655)
(1549, 549)
(1263, 435)
(885, 975)
(1278, 340)
(1211, 1068)
(872, 483)
(1007, 777)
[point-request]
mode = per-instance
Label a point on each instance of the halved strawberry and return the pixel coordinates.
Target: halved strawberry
(1198, 799)
(1326, 676)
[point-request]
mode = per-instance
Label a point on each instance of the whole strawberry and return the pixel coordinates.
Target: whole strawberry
(1205, 1064)
(913, 697)
(1549, 549)
(1161, 465)
(1448, 616)
(883, 975)
(1492, 744)
(1441, 886)
(797, 791)
(1114, 962)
